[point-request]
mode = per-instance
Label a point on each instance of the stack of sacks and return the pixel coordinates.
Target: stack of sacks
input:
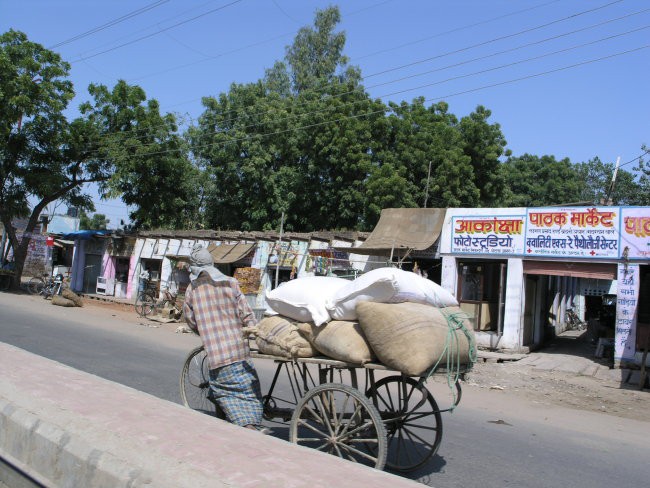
(339, 339)
(387, 314)
(386, 285)
(304, 299)
(413, 337)
(279, 336)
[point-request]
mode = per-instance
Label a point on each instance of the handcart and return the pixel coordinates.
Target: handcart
(363, 413)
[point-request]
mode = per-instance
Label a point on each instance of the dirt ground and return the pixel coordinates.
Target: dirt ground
(526, 381)
(565, 389)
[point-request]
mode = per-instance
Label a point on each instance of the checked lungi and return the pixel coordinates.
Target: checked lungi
(236, 389)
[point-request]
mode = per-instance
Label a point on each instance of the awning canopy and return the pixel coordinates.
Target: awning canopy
(401, 230)
(229, 253)
(84, 235)
(599, 271)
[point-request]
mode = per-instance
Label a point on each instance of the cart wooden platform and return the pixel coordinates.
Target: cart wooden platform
(363, 413)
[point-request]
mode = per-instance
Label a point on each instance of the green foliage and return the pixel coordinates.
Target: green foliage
(151, 170)
(96, 222)
(535, 181)
(644, 178)
(120, 143)
(598, 180)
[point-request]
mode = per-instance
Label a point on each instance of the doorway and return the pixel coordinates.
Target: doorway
(92, 270)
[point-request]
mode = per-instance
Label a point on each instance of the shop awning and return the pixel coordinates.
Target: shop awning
(403, 229)
(600, 271)
(229, 253)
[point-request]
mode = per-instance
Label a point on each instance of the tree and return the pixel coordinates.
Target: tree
(644, 178)
(598, 179)
(484, 143)
(42, 156)
(534, 181)
(45, 158)
(96, 222)
(152, 171)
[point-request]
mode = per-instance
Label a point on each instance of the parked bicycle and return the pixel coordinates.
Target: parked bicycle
(46, 285)
(573, 322)
(146, 304)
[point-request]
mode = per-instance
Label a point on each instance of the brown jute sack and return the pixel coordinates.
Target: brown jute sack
(411, 337)
(70, 295)
(62, 301)
(278, 336)
(339, 339)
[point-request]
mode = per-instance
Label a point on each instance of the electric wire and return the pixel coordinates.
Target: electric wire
(110, 23)
(222, 7)
(293, 117)
(480, 58)
(388, 109)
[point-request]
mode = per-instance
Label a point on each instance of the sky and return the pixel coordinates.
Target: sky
(562, 77)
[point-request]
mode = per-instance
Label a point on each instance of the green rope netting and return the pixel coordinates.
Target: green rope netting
(450, 356)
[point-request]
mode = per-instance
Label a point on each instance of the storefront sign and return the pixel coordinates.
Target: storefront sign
(635, 232)
(487, 235)
(626, 311)
(573, 232)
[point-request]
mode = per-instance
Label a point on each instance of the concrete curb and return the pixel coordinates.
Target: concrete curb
(74, 429)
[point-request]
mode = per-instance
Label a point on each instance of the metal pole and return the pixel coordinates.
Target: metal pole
(426, 193)
(277, 264)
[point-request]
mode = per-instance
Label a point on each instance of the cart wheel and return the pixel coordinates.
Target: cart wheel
(195, 385)
(412, 419)
(144, 304)
(35, 285)
(339, 420)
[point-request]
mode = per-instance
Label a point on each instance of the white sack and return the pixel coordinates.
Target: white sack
(387, 285)
(303, 299)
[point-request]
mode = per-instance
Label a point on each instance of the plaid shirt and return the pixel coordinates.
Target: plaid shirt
(217, 310)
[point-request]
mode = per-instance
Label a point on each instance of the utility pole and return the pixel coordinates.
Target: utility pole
(426, 191)
(277, 264)
(610, 190)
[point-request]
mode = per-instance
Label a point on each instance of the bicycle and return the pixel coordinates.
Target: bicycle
(573, 321)
(146, 303)
(47, 286)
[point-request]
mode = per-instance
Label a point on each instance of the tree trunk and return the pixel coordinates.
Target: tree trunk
(20, 248)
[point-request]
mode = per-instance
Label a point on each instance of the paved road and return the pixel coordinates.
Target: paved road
(491, 440)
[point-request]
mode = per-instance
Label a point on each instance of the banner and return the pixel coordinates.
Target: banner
(573, 232)
(626, 311)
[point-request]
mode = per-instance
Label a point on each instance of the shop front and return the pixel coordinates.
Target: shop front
(518, 271)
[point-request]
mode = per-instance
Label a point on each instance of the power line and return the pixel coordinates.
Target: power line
(496, 39)
(480, 58)
(377, 112)
(85, 58)
(457, 29)
(635, 159)
(110, 23)
(351, 104)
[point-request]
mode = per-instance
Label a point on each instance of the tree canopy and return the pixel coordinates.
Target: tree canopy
(306, 141)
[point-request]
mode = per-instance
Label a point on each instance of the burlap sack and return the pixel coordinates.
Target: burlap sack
(338, 339)
(62, 301)
(411, 337)
(70, 295)
(278, 336)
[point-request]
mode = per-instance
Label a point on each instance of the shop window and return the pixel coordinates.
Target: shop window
(481, 291)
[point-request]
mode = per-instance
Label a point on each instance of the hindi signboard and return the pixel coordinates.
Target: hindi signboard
(573, 232)
(635, 232)
(478, 234)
